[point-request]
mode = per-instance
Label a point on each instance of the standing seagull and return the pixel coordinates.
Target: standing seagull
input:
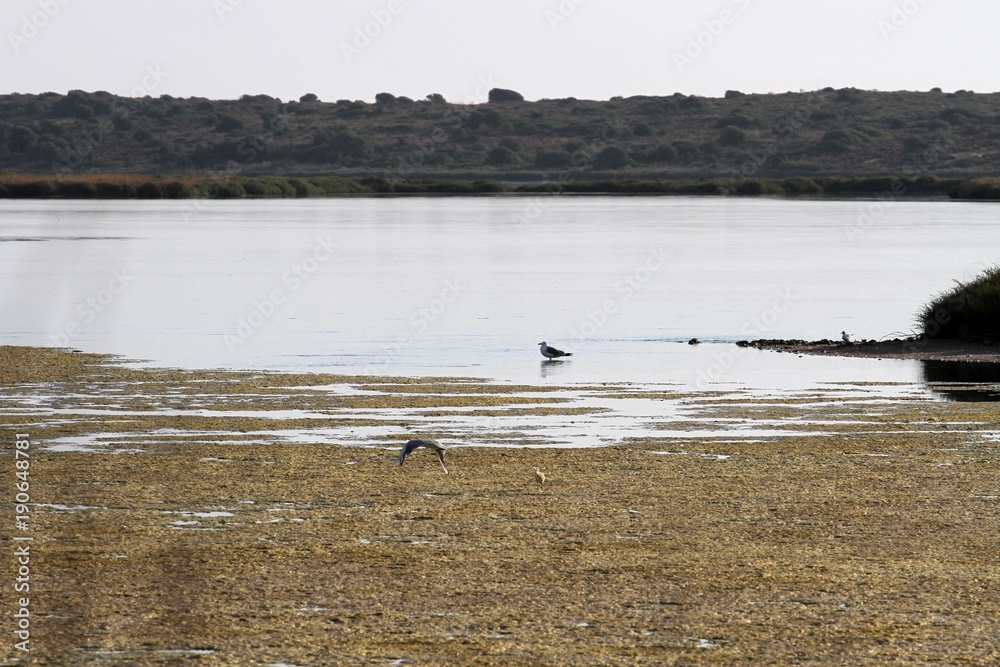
(846, 337)
(416, 444)
(551, 352)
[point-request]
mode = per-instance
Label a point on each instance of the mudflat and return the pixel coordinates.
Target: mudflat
(910, 348)
(189, 535)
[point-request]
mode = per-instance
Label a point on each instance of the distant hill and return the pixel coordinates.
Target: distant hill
(846, 132)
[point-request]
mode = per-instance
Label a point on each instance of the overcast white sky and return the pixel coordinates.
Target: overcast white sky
(592, 49)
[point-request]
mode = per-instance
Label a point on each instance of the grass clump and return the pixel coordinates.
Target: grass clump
(969, 311)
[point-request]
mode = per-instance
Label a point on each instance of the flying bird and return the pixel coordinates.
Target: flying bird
(551, 352)
(410, 445)
(846, 337)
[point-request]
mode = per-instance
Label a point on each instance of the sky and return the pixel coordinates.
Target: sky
(589, 49)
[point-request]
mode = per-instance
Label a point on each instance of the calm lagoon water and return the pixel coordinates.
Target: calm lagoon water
(469, 286)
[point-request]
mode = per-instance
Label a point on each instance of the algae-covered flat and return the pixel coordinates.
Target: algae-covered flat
(871, 543)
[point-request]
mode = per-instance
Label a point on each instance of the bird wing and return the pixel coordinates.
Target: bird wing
(407, 448)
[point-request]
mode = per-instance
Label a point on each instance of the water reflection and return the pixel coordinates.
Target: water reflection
(553, 367)
(963, 381)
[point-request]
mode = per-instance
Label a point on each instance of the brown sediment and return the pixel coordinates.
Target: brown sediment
(911, 348)
(868, 545)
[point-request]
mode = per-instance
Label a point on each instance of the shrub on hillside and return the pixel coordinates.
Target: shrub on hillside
(736, 120)
(661, 154)
(504, 95)
(915, 145)
(500, 156)
(836, 142)
(611, 157)
(480, 117)
(551, 159)
(732, 136)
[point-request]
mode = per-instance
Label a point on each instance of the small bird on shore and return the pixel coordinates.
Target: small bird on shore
(540, 476)
(551, 352)
(846, 337)
(416, 444)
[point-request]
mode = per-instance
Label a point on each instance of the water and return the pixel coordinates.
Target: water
(469, 286)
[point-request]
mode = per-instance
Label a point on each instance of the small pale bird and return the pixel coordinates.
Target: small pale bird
(551, 352)
(540, 476)
(416, 444)
(846, 337)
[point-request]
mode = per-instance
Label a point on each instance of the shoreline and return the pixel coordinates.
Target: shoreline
(919, 349)
(109, 186)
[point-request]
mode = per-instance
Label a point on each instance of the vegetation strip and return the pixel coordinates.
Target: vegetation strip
(116, 186)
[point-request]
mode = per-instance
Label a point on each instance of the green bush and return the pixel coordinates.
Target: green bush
(977, 188)
(915, 145)
(489, 187)
(302, 188)
(800, 185)
(836, 142)
(759, 186)
(150, 190)
(224, 189)
(504, 95)
(551, 159)
(501, 156)
(660, 154)
(177, 190)
(732, 136)
(611, 157)
(735, 120)
(76, 190)
(969, 311)
(258, 187)
(116, 191)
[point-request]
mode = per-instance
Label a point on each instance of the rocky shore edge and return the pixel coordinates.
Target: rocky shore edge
(919, 348)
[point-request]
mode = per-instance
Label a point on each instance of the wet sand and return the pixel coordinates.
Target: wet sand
(871, 541)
